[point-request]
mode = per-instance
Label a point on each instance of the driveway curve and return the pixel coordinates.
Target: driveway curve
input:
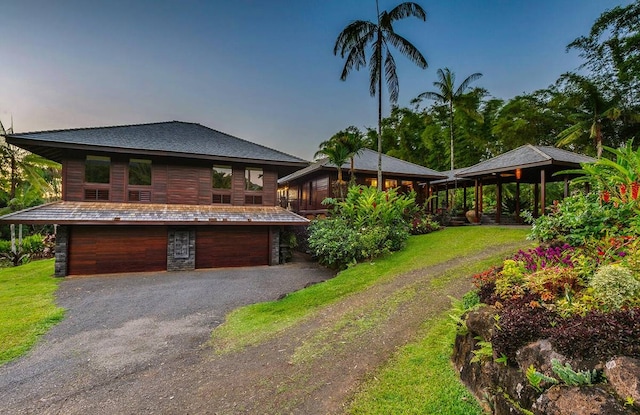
(119, 325)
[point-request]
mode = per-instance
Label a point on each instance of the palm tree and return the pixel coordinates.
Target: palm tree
(353, 41)
(450, 96)
(338, 154)
(594, 109)
(351, 138)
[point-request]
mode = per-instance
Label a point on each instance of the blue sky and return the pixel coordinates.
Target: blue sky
(261, 70)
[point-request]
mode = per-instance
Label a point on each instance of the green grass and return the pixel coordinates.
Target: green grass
(27, 307)
(420, 379)
(258, 322)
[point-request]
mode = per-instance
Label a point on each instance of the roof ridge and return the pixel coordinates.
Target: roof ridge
(98, 128)
(539, 151)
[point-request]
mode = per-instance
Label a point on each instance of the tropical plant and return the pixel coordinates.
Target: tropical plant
(594, 108)
(353, 41)
(25, 176)
(447, 94)
(338, 154)
(366, 224)
(352, 141)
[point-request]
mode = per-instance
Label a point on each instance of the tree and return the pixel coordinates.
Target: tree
(353, 140)
(338, 154)
(447, 94)
(25, 178)
(593, 107)
(612, 49)
(353, 41)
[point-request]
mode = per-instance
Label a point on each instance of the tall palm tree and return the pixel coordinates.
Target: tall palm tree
(594, 109)
(447, 94)
(353, 41)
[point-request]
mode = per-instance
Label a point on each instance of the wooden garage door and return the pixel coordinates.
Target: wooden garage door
(109, 249)
(232, 246)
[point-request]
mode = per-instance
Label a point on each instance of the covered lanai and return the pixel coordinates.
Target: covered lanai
(528, 164)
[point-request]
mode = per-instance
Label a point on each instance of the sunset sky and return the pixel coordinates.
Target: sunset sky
(260, 70)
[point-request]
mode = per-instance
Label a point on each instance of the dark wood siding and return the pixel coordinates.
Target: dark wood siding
(232, 246)
(111, 249)
(73, 180)
(182, 185)
(118, 181)
(269, 188)
(171, 183)
(159, 175)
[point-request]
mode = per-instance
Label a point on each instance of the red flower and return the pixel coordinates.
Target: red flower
(375, 205)
(634, 190)
(623, 189)
(606, 196)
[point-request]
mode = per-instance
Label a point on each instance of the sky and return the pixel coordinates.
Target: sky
(262, 70)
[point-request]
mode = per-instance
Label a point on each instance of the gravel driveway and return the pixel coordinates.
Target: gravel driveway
(119, 325)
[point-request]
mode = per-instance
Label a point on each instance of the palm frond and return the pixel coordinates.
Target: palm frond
(570, 135)
(375, 67)
(407, 49)
(391, 77)
(465, 84)
(352, 36)
(407, 9)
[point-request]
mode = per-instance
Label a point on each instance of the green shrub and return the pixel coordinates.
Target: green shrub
(615, 286)
(366, 224)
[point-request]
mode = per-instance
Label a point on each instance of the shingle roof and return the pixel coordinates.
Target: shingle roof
(173, 137)
(367, 161)
(523, 157)
(85, 213)
(451, 177)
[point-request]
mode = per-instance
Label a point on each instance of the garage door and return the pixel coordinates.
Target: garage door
(232, 246)
(109, 249)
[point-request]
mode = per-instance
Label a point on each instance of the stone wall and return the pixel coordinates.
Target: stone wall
(181, 249)
(503, 388)
(274, 241)
(61, 251)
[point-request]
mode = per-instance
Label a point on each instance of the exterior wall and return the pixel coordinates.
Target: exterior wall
(170, 183)
(61, 251)
(181, 249)
(305, 195)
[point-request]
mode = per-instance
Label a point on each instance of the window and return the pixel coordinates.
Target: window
(253, 200)
(139, 172)
(221, 177)
(221, 199)
(390, 183)
(371, 182)
(253, 179)
(97, 169)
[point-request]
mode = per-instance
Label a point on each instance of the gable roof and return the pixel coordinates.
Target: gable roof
(526, 156)
(367, 161)
(173, 138)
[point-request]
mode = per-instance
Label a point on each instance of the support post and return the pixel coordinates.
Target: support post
(543, 191)
(536, 198)
(518, 202)
(498, 199)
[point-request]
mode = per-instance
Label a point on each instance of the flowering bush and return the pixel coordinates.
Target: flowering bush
(615, 286)
(368, 223)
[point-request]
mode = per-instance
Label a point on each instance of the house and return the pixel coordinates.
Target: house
(161, 196)
(304, 190)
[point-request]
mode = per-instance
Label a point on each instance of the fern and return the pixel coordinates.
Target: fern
(536, 378)
(484, 352)
(572, 378)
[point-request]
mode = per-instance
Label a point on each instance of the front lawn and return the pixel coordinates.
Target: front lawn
(27, 306)
(255, 323)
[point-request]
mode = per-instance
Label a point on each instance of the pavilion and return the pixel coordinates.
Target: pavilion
(528, 164)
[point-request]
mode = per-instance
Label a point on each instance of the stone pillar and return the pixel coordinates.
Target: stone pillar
(274, 244)
(61, 251)
(181, 249)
